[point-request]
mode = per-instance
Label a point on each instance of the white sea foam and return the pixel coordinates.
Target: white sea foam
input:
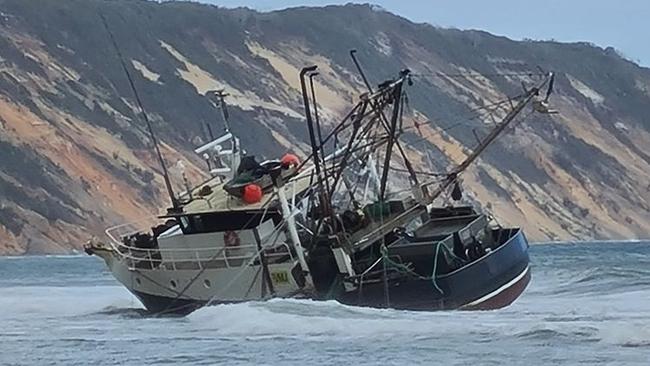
(46, 301)
(300, 318)
(627, 333)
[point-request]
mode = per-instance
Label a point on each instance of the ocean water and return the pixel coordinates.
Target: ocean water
(588, 304)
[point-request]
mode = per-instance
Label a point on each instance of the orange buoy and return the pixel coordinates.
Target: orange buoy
(252, 193)
(289, 160)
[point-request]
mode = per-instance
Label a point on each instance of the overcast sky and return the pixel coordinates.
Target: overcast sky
(623, 24)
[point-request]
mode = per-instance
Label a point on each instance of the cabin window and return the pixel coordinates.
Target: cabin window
(185, 224)
(198, 224)
(223, 221)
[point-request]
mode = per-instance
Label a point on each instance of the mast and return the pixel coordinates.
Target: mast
(217, 99)
(324, 200)
(392, 131)
(318, 128)
(221, 95)
(404, 74)
(168, 185)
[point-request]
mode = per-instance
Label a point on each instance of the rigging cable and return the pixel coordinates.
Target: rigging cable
(476, 74)
(154, 140)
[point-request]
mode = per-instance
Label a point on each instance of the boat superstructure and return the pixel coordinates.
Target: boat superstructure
(339, 225)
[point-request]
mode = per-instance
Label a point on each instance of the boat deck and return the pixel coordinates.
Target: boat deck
(219, 200)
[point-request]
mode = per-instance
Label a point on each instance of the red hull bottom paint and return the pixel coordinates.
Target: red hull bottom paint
(503, 296)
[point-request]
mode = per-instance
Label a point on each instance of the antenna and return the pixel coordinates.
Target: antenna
(363, 75)
(218, 97)
(542, 106)
(168, 184)
(550, 87)
(210, 134)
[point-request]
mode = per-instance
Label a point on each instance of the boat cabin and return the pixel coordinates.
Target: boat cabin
(209, 236)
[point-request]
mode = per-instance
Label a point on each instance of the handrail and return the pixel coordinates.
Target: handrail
(109, 231)
(118, 243)
(147, 256)
(125, 251)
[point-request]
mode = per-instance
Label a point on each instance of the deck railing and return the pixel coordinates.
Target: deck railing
(191, 258)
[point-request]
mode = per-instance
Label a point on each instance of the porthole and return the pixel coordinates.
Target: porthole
(172, 283)
(137, 280)
(207, 283)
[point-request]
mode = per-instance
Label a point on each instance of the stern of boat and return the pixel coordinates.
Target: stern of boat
(513, 277)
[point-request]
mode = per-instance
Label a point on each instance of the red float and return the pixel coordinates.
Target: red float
(290, 160)
(252, 193)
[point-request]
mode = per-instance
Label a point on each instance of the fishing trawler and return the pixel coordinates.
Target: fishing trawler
(330, 227)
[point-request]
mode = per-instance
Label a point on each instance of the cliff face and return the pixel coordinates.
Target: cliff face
(75, 157)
